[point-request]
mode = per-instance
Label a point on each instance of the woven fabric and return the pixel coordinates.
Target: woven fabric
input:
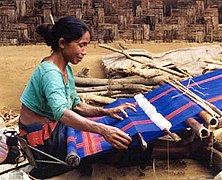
(171, 103)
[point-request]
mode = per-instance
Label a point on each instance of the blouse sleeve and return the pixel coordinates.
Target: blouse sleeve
(54, 90)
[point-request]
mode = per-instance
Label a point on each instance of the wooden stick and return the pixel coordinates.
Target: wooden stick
(200, 103)
(173, 135)
(119, 51)
(214, 108)
(165, 69)
(143, 142)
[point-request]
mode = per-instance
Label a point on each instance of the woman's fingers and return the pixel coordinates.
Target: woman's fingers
(119, 145)
(125, 106)
(118, 138)
(122, 140)
(131, 106)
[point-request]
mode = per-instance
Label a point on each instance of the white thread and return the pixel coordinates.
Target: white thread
(152, 113)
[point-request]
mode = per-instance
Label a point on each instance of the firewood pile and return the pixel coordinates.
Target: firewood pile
(8, 119)
(132, 71)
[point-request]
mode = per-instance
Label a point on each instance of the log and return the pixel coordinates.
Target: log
(145, 72)
(98, 81)
(97, 98)
(124, 95)
(115, 87)
(102, 93)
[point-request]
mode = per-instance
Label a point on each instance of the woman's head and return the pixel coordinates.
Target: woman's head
(69, 28)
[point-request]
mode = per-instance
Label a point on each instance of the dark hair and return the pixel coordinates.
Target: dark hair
(69, 28)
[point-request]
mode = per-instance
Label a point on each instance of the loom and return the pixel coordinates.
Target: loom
(173, 105)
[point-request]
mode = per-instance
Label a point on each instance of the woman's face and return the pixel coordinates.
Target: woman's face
(75, 51)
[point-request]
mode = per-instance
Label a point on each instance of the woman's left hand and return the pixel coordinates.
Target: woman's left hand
(114, 112)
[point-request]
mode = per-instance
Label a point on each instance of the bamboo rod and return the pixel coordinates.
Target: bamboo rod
(199, 129)
(210, 120)
(200, 103)
(214, 108)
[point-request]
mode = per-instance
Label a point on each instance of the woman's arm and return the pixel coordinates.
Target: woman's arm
(92, 111)
(113, 135)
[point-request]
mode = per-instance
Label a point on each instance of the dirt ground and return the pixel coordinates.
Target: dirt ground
(16, 66)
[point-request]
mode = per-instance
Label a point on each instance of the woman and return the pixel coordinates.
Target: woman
(50, 102)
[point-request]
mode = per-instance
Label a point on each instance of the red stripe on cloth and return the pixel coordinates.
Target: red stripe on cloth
(179, 110)
(48, 129)
(35, 138)
(215, 99)
(131, 124)
(38, 137)
(205, 80)
(161, 94)
(71, 139)
(91, 143)
(95, 140)
(85, 142)
(22, 132)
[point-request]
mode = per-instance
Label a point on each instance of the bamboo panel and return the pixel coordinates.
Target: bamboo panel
(101, 15)
(178, 12)
(111, 19)
(170, 20)
(105, 26)
(212, 12)
(125, 5)
(120, 14)
(98, 5)
(158, 4)
(9, 33)
(139, 20)
(18, 26)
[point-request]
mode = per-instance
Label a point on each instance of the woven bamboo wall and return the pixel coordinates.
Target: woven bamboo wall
(137, 20)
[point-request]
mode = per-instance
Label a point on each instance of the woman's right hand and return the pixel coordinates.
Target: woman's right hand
(116, 137)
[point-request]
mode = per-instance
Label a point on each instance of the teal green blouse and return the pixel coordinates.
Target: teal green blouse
(47, 93)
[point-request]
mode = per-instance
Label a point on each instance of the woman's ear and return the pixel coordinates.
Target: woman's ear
(61, 43)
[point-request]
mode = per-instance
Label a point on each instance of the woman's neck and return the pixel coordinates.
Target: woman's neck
(58, 60)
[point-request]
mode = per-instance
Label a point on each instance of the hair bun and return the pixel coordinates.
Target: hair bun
(45, 30)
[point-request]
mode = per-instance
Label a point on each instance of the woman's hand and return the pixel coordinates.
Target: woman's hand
(114, 112)
(116, 137)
